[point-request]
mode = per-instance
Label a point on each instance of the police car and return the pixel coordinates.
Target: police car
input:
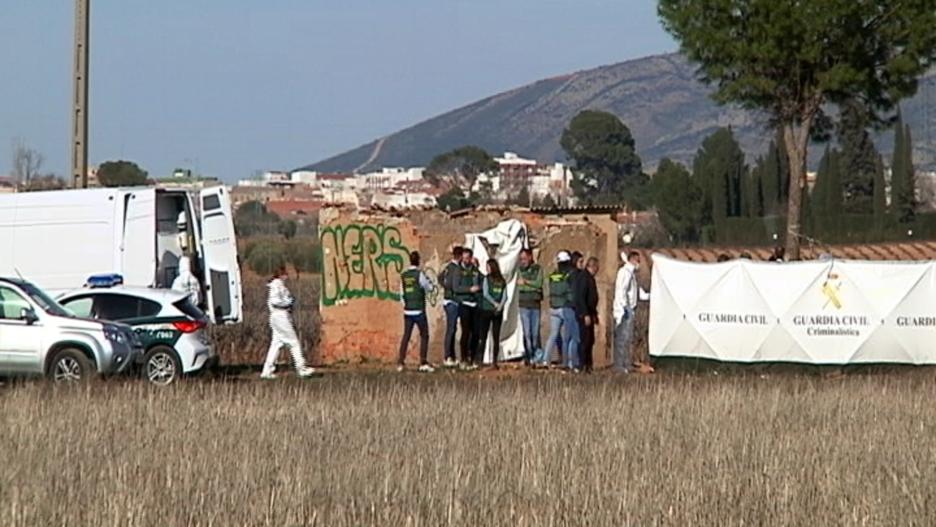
(169, 325)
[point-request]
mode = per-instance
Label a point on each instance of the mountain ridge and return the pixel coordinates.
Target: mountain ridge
(660, 98)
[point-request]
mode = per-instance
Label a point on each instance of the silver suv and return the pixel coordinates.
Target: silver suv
(40, 337)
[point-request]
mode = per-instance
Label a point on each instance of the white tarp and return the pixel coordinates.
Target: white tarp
(829, 312)
(507, 239)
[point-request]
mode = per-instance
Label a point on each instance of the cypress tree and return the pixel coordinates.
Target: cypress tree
(755, 199)
(858, 159)
(896, 179)
(818, 199)
(834, 199)
(880, 189)
(903, 185)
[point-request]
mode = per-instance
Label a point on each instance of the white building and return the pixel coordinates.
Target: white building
(399, 200)
(484, 179)
(304, 177)
(540, 179)
(388, 178)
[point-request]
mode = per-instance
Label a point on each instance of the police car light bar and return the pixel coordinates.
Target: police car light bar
(104, 280)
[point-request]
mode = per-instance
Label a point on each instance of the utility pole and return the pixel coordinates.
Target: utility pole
(79, 142)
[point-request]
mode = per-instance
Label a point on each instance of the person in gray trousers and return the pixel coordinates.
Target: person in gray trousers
(626, 294)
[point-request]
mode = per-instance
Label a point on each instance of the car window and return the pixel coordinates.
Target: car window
(80, 306)
(123, 307)
(211, 202)
(189, 308)
(45, 301)
(12, 304)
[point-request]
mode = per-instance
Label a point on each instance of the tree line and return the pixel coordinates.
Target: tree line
(28, 174)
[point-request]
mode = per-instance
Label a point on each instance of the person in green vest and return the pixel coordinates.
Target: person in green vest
(493, 297)
(562, 320)
(467, 291)
(414, 286)
(530, 300)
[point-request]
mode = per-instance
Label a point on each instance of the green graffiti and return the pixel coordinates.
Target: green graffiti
(362, 261)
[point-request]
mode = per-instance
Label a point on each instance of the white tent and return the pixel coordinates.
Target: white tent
(830, 312)
(507, 239)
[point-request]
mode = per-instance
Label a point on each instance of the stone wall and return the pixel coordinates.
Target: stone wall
(363, 254)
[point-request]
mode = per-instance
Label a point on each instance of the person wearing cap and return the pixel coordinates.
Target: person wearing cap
(626, 294)
(562, 321)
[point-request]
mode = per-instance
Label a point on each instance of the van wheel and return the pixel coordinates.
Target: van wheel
(70, 366)
(162, 366)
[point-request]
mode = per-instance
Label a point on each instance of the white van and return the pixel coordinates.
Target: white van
(58, 239)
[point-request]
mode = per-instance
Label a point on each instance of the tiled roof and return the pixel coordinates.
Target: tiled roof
(293, 207)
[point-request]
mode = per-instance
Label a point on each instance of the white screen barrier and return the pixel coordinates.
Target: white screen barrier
(824, 312)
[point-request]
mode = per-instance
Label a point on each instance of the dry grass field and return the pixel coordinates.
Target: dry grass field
(378, 448)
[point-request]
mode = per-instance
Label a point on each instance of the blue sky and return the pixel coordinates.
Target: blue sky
(229, 87)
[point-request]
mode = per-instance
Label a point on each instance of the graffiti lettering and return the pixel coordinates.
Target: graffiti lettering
(359, 260)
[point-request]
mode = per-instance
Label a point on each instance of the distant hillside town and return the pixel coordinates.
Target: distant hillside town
(305, 191)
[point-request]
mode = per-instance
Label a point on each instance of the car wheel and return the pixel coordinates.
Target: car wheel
(162, 366)
(71, 366)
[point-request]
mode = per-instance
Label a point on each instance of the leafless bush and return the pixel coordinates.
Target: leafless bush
(454, 449)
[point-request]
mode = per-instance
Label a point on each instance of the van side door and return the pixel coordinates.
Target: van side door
(219, 256)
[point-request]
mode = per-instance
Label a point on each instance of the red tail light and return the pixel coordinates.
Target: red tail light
(188, 326)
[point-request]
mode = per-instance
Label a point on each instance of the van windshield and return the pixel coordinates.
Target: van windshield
(45, 301)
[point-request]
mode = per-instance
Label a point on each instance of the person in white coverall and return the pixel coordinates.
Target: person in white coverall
(626, 294)
(280, 302)
(186, 281)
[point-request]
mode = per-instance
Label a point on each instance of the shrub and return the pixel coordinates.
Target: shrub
(305, 255)
(265, 257)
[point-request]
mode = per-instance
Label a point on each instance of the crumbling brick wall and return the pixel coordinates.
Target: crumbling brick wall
(363, 254)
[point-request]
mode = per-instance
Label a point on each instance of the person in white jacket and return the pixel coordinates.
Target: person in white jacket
(627, 292)
(280, 302)
(186, 281)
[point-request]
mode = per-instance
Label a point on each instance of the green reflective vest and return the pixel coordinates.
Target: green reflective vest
(446, 279)
(495, 290)
(414, 296)
(560, 290)
(467, 277)
(530, 295)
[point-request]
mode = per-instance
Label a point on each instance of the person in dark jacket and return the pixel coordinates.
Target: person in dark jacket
(448, 278)
(467, 288)
(491, 315)
(586, 310)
